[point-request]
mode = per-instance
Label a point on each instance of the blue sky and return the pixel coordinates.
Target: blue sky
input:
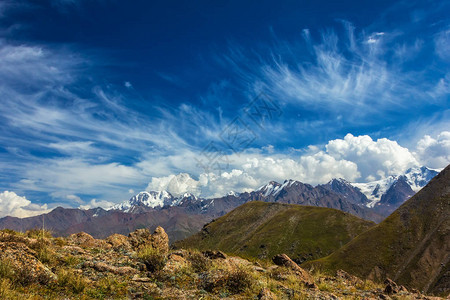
(101, 99)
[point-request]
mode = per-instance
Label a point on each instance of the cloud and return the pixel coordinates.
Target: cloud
(94, 203)
(16, 206)
(354, 158)
(62, 177)
(434, 152)
(375, 159)
(175, 184)
(442, 45)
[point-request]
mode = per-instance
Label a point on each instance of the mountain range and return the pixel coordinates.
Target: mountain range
(185, 215)
(411, 246)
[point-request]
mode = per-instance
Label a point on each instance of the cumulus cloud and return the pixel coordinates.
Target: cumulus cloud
(14, 205)
(175, 184)
(434, 152)
(354, 158)
(375, 159)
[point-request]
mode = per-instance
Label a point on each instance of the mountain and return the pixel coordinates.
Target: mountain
(190, 210)
(102, 223)
(347, 190)
(153, 199)
(416, 178)
(261, 230)
(411, 246)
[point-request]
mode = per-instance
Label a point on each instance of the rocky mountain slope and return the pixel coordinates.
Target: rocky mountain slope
(261, 230)
(35, 265)
(411, 246)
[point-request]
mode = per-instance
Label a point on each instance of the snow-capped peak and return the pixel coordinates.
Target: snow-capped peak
(269, 188)
(416, 177)
(150, 199)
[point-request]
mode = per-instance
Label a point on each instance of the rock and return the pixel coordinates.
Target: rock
(86, 240)
(174, 264)
(402, 289)
(160, 240)
(74, 250)
(305, 277)
(24, 263)
(118, 242)
(266, 294)
(214, 254)
(391, 287)
(142, 237)
(81, 239)
(136, 278)
(139, 237)
(347, 277)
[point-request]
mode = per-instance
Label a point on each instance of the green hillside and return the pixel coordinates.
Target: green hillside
(262, 230)
(411, 246)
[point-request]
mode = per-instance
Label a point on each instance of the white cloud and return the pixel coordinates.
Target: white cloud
(74, 198)
(442, 45)
(16, 206)
(175, 184)
(94, 203)
(69, 176)
(434, 152)
(354, 158)
(377, 159)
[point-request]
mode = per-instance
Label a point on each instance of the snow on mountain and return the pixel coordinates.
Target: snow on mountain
(154, 199)
(416, 177)
(150, 199)
(269, 188)
(273, 187)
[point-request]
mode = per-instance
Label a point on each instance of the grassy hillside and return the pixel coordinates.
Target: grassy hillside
(262, 230)
(412, 246)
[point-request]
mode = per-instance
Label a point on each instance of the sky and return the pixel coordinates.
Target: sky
(102, 99)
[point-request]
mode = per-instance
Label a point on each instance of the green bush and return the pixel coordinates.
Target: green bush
(38, 233)
(153, 259)
(239, 281)
(199, 262)
(71, 281)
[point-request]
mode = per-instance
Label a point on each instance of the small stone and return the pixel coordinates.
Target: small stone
(214, 254)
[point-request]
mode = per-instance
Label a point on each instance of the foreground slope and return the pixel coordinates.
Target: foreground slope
(35, 265)
(412, 246)
(262, 230)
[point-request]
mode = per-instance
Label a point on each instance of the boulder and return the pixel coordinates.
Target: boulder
(160, 240)
(391, 287)
(86, 240)
(24, 264)
(118, 242)
(142, 237)
(139, 237)
(349, 278)
(286, 261)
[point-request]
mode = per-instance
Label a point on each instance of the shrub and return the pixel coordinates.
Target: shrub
(6, 269)
(153, 259)
(239, 281)
(38, 233)
(199, 262)
(71, 281)
(43, 252)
